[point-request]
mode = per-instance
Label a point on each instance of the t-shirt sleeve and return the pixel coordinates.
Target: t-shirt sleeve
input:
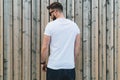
(48, 30)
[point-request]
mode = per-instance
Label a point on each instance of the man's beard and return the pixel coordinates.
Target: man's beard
(54, 18)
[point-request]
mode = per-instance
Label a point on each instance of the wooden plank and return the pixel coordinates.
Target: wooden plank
(117, 40)
(109, 47)
(44, 15)
(86, 40)
(35, 39)
(102, 40)
(78, 20)
(17, 39)
(1, 39)
(26, 40)
(94, 39)
(11, 73)
(64, 2)
(51, 1)
(44, 21)
(70, 9)
(118, 21)
(8, 47)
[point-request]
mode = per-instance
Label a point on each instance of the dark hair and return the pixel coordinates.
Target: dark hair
(55, 5)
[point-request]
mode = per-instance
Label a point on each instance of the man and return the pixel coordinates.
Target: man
(63, 38)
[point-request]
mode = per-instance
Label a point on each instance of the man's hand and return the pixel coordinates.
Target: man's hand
(44, 67)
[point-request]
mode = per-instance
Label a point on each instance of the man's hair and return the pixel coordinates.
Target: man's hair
(55, 5)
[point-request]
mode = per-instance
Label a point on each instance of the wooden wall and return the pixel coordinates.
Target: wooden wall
(22, 23)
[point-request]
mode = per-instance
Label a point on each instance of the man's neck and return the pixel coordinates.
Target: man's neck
(61, 16)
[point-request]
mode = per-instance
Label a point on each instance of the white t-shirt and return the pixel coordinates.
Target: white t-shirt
(63, 33)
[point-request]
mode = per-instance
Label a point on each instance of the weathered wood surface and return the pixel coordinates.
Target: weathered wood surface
(86, 39)
(78, 19)
(36, 39)
(109, 40)
(8, 40)
(1, 39)
(22, 25)
(17, 39)
(102, 40)
(94, 42)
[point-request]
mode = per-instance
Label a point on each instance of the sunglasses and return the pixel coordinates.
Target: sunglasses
(51, 12)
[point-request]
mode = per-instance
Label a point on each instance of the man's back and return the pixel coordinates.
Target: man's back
(63, 33)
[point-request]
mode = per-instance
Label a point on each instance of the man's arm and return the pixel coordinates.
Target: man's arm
(45, 48)
(77, 46)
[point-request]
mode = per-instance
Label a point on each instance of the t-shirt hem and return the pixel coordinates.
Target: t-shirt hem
(60, 68)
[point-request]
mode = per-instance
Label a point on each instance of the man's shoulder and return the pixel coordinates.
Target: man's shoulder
(50, 23)
(55, 22)
(71, 21)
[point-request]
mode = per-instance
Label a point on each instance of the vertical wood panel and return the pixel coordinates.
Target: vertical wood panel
(86, 40)
(118, 53)
(35, 39)
(1, 39)
(51, 1)
(118, 21)
(78, 20)
(27, 39)
(109, 42)
(70, 9)
(17, 39)
(44, 21)
(8, 47)
(94, 42)
(63, 2)
(24, 24)
(102, 40)
(117, 40)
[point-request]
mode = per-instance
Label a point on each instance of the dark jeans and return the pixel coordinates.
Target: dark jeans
(61, 74)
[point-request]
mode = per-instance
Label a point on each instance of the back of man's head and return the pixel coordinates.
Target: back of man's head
(55, 5)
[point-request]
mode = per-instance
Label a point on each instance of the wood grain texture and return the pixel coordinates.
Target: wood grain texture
(8, 43)
(1, 39)
(118, 21)
(36, 39)
(78, 19)
(22, 25)
(102, 40)
(27, 39)
(70, 10)
(109, 43)
(116, 39)
(94, 42)
(17, 39)
(63, 2)
(44, 21)
(86, 40)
